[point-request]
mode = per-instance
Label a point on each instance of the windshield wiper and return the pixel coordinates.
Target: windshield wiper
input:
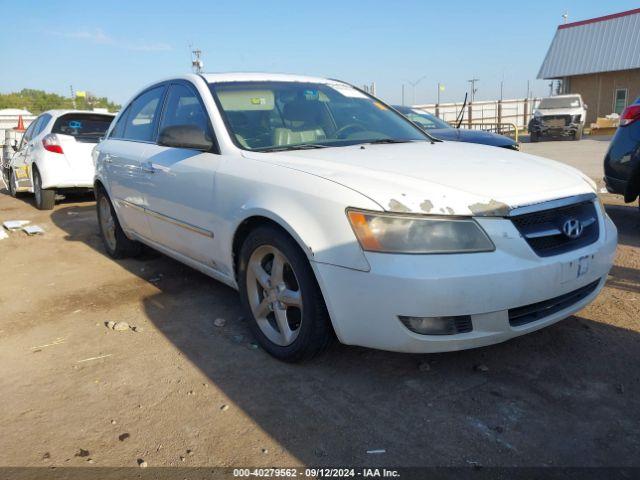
(303, 146)
(388, 140)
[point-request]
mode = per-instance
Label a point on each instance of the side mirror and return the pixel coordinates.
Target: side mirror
(185, 136)
(585, 106)
(14, 145)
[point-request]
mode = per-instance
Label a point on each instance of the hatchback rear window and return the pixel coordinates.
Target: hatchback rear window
(82, 126)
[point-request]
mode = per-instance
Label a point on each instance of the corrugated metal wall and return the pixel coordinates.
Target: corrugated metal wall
(601, 46)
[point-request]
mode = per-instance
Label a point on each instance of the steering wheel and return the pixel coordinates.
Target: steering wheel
(351, 126)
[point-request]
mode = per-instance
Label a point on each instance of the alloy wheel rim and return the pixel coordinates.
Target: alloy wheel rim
(274, 295)
(107, 223)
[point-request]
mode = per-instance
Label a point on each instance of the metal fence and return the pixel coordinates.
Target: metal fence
(490, 112)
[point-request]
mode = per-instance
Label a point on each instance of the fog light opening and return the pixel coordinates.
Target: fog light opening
(437, 325)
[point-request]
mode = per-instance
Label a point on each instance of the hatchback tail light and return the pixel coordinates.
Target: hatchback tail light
(630, 115)
(52, 144)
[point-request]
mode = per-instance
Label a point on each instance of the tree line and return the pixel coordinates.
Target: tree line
(38, 101)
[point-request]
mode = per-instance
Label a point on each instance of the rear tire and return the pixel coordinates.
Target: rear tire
(287, 313)
(45, 198)
(116, 243)
(534, 137)
(12, 183)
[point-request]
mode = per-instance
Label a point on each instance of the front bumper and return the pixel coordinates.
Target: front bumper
(364, 306)
(548, 130)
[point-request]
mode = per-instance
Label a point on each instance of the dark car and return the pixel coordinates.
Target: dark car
(442, 130)
(622, 161)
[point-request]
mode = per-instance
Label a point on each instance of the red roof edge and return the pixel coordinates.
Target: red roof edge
(599, 19)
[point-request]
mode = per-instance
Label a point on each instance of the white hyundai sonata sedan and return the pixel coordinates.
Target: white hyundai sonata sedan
(333, 215)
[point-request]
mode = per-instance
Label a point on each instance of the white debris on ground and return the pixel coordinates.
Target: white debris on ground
(3, 235)
(33, 230)
(15, 224)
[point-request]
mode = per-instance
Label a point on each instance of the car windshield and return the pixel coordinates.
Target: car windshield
(82, 126)
(423, 119)
(271, 116)
(559, 102)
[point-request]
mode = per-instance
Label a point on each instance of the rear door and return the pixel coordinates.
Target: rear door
(180, 182)
(121, 156)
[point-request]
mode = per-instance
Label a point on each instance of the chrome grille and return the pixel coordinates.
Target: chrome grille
(556, 120)
(543, 230)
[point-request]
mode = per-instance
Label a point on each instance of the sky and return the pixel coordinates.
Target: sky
(113, 48)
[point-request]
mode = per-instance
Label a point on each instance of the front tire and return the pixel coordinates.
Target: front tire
(578, 134)
(45, 198)
(281, 296)
(114, 239)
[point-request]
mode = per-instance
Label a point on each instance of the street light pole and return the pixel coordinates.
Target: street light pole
(413, 84)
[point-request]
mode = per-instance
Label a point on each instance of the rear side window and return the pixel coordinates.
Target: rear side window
(183, 107)
(83, 126)
(140, 121)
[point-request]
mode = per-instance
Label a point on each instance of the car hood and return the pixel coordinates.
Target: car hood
(445, 178)
(560, 111)
(471, 136)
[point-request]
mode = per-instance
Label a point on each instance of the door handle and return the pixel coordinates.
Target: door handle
(147, 167)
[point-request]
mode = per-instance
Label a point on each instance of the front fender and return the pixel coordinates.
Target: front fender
(310, 208)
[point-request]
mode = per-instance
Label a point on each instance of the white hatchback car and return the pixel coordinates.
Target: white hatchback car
(54, 154)
(333, 214)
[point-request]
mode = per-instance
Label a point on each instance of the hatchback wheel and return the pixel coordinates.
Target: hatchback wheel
(281, 296)
(13, 184)
(45, 198)
(115, 241)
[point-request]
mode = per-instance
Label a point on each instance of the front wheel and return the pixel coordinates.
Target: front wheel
(280, 294)
(578, 134)
(115, 241)
(45, 199)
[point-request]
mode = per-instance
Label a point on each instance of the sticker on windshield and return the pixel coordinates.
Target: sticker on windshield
(347, 91)
(75, 124)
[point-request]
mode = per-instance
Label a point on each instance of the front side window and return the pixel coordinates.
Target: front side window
(182, 108)
(140, 121)
(87, 127)
(42, 123)
(264, 116)
(28, 133)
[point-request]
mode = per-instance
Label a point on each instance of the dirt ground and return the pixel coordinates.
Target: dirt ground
(181, 391)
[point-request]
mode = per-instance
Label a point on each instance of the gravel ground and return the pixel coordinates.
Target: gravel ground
(183, 391)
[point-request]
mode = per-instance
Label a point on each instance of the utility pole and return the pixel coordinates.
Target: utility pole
(413, 84)
(403, 94)
(196, 61)
(551, 88)
(501, 87)
(73, 96)
(438, 93)
(473, 88)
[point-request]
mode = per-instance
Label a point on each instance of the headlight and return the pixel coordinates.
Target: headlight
(576, 118)
(393, 233)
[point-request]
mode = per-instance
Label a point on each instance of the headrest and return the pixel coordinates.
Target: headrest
(307, 111)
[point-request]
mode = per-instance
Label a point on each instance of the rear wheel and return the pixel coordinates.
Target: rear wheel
(115, 241)
(280, 294)
(45, 198)
(535, 137)
(13, 183)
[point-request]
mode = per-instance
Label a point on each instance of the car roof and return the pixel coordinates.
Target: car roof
(59, 113)
(263, 77)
